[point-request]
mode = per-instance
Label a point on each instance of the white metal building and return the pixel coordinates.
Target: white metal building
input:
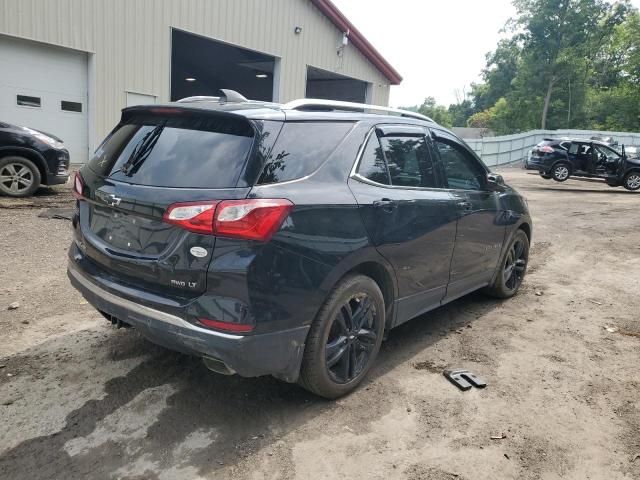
(68, 67)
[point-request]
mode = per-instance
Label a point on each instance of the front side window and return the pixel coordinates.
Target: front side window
(409, 162)
(607, 154)
(462, 171)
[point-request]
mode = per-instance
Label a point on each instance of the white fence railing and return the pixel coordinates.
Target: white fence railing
(511, 148)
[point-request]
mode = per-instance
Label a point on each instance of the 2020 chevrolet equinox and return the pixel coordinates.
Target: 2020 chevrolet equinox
(286, 239)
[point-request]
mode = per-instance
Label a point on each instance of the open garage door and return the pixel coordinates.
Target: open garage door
(201, 66)
(44, 87)
(331, 86)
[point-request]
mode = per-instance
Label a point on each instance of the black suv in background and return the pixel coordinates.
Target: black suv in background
(561, 159)
(286, 239)
(30, 158)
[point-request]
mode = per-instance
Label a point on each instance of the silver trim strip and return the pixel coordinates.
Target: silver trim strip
(144, 310)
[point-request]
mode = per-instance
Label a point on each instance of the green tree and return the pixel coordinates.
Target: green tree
(438, 113)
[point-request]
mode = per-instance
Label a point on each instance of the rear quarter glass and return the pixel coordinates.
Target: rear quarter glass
(189, 151)
(301, 148)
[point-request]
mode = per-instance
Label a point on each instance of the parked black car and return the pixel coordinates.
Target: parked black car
(561, 159)
(287, 239)
(29, 158)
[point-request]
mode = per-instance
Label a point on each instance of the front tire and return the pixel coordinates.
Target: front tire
(632, 181)
(19, 176)
(513, 268)
(344, 339)
(561, 172)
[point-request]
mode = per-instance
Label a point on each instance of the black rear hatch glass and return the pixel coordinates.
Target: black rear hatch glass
(179, 151)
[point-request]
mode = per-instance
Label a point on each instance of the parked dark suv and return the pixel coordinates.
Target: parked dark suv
(287, 239)
(561, 159)
(30, 158)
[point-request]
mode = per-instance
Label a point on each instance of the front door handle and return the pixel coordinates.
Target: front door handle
(386, 204)
(465, 205)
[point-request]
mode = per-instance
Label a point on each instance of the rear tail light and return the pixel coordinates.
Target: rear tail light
(226, 326)
(546, 149)
(195, 217)
(250, 219)
(78, 185)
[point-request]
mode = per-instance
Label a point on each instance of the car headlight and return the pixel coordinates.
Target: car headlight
(52, 142)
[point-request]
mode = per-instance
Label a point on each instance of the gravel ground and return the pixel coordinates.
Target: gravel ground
(79, 399)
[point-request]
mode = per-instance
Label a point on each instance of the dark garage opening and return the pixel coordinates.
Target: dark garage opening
(331, 86)
(201, 66)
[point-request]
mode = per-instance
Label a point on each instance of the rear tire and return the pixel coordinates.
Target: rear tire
(561, 172)
(344, 339)
(513, 267)
(19, 176)
(631, 181)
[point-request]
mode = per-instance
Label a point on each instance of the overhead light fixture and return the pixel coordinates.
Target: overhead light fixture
(190, 79)
(261, 75)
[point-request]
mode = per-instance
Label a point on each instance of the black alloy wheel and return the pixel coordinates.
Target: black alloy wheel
(352, 338)
(513, 267)
(345, 337)
(516, 265)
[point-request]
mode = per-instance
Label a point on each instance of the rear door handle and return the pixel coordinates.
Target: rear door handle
(386, 204)
(465, 205)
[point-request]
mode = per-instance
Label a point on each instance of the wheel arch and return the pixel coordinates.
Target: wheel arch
(29, 154)
(371, 264)
(526, 228)
(565, 161)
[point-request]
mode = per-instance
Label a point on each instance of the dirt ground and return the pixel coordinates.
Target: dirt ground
(81, 400)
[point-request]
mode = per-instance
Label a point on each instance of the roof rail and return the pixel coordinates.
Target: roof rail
(319, 104)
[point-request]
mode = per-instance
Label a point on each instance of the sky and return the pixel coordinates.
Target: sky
(438, 47)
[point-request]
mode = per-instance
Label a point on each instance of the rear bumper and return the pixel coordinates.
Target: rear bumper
(278, 353)
(535, 164)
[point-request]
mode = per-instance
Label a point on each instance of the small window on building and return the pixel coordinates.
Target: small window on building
(27, 101)
(71, 106)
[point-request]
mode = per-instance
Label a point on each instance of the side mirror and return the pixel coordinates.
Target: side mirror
(494, 181)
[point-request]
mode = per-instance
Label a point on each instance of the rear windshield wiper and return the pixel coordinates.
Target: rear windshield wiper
(142, 151)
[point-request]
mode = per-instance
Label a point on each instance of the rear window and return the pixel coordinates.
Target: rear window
(301, 148)
(175, 151)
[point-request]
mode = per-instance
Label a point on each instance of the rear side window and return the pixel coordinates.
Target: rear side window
(301, 148)
(409, 162)
(181, 151)
(372, 165)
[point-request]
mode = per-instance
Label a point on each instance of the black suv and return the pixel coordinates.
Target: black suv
(30, 158)
(287, 239)
(560, 159)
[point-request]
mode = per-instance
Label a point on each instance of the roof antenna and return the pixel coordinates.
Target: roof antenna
(231, 96)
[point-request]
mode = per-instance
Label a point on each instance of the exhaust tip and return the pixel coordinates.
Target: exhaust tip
(217, 366)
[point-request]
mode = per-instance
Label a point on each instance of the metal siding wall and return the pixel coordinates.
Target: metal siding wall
(130, 41)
